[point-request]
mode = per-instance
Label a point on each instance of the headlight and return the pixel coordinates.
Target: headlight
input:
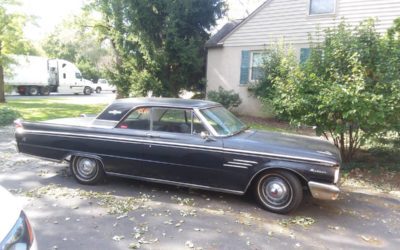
(20, 237)
(337, 175)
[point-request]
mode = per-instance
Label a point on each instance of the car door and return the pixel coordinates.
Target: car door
(178, 153)
(125, 156)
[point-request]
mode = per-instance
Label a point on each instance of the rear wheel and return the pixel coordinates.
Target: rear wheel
(87, 170)
(87, 91)
(98, 90)
(279, 191)
(33, 90)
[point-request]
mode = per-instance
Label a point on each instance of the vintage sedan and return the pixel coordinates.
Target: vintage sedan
(191, 143)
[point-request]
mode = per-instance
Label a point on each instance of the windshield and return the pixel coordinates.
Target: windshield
(223, 121)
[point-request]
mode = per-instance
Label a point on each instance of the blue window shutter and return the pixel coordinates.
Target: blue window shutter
(304, 54)
(245, 67)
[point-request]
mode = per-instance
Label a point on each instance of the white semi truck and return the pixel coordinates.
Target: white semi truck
(33, 75)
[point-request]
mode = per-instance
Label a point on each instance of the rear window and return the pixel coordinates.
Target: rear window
(114, 112)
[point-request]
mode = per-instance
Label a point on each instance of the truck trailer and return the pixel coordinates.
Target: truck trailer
(34, 75)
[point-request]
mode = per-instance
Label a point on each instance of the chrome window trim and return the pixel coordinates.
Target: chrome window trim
(197, 113)
(205, 122)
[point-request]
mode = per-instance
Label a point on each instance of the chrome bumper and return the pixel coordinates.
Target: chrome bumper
(323, 191)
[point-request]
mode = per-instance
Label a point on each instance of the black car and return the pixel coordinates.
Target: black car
(191, 143)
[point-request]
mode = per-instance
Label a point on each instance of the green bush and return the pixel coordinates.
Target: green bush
(349, 88)
(228, 98)
(7, 116)
(199, 96)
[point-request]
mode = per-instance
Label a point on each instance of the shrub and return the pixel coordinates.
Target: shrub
(7, 116)
(349, 88)
(228, 98)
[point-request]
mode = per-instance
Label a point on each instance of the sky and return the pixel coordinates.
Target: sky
(49, 13)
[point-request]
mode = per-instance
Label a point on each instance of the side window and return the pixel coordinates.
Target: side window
(172, 120)
(138, 119)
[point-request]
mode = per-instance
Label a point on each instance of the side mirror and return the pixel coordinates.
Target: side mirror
(206, 136)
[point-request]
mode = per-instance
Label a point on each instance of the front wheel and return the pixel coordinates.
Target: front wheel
(87, 170)
(87, 91)
(98, 90)
(45, 91)
(279, 191)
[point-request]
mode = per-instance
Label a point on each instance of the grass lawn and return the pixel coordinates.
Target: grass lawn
(46, 109)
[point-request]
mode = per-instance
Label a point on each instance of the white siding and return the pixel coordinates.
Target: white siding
(289, 20)
(223, 70)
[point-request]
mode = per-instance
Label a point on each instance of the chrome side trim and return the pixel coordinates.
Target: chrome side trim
(234, 166)
(323, 191)
(182, 184)
(240, 163)
(246, 161)
(192, 146)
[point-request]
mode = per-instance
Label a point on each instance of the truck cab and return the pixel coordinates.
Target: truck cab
(34, 75)
(68, 78)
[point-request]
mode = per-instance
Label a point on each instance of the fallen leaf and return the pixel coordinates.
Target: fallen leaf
(189, 244)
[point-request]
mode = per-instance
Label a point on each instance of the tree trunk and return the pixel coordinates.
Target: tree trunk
(2, 97)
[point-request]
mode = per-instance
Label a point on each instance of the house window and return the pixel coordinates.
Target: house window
(304, 54)
(318, 7)
(256, 69)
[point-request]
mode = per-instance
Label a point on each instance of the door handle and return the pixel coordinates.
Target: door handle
(152, 136)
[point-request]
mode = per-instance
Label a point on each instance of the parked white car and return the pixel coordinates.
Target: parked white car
(104, 85)
(15, 229)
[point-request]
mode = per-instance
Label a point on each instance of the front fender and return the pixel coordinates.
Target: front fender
(306, 171)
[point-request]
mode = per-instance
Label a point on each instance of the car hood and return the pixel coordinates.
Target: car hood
(283, 145)
(10, 210)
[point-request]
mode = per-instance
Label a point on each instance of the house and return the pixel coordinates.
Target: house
(235, 52)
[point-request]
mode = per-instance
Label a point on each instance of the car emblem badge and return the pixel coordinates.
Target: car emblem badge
(115, 112)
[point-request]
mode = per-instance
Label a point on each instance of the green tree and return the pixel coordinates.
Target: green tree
(74, 41)
(349, 88)
(11, 39)
(158, 44)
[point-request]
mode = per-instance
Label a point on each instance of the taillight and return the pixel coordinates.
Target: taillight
(20, 236)
(29, 229)
(18, 126)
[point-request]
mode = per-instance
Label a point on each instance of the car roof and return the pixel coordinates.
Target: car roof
(169, 102)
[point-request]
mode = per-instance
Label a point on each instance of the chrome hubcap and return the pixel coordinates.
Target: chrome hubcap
(86, 167)
(276, 191)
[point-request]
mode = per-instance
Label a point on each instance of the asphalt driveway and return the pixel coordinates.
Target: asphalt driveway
(123, 214)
